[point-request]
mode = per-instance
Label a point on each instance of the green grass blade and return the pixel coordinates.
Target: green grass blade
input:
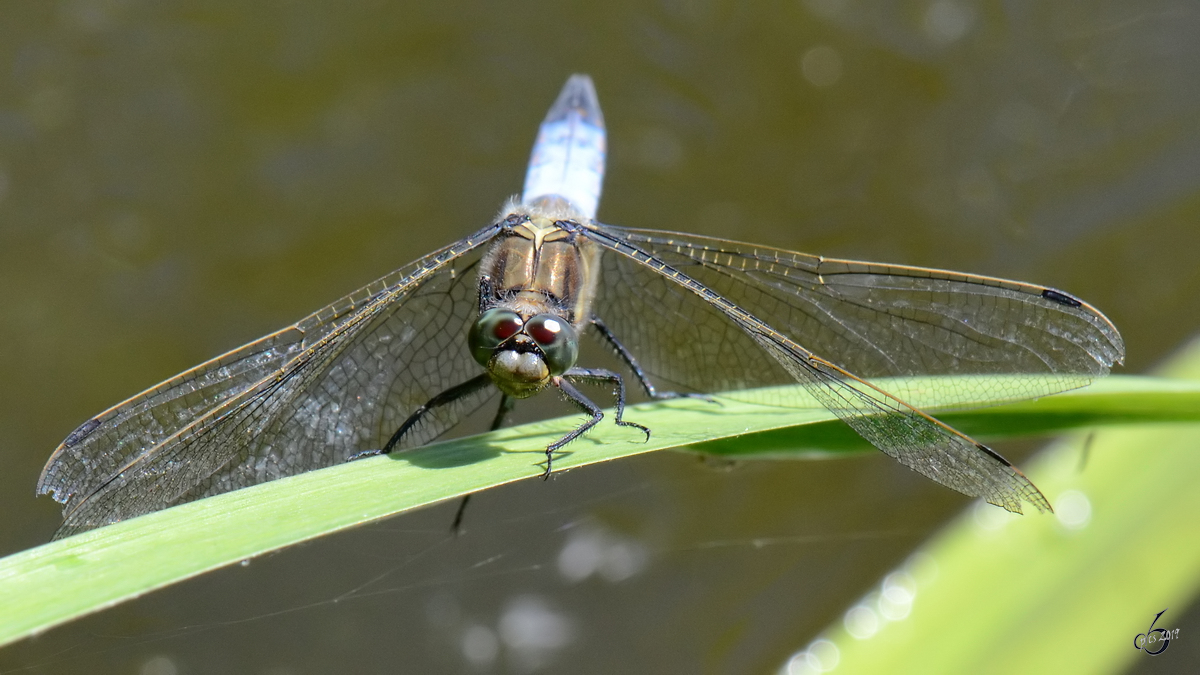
(1117, 400)
(57, 582)
(999, 594)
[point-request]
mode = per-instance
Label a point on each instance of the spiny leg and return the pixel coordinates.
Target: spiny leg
(602, 376)
(575, 396)
(449, 396)
(506, 405)
(588, 376)
(643, 379)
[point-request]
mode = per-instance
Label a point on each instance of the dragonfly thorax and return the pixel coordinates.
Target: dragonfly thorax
(536, 285)
(520, 354)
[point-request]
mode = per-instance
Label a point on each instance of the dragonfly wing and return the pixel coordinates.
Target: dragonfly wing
(362, 366)
(889, 320)
(108, 441)
(699, 339)
(681, 340)
(908, 435)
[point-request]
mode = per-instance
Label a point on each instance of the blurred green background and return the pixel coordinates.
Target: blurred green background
(177, 179)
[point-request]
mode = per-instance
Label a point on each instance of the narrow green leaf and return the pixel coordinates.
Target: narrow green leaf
(1117, 400)
(993, 593)
(57, 582)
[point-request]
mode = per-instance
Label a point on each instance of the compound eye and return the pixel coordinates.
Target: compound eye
(557, 339)
(492, 328)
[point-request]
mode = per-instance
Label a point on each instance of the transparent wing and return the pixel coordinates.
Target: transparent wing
(702, 315)
(339, 382)
(880, 320)
(107, 442)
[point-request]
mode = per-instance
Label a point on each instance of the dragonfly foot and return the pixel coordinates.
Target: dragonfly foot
(635, 425)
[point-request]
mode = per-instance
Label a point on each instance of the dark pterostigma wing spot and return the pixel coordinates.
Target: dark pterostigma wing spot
(1060, 297)
(81, 432)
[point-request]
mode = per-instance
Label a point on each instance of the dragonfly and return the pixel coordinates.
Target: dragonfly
(503, 313)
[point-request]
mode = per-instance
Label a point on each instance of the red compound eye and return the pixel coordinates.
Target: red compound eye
(545, 330)
(491, 329)
(557, 340)
(507, 327)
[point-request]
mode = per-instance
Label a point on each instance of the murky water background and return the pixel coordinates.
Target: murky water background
(177, 179)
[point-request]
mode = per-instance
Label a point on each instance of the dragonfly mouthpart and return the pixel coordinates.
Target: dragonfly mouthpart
(519, 373)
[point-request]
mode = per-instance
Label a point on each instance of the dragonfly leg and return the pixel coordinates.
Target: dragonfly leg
(625, 355)
(588, 376)
(601, 376)
(584, 404)
(506, 405)
(449, 396)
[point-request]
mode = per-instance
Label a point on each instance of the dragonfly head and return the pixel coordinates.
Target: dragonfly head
(522, 354)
